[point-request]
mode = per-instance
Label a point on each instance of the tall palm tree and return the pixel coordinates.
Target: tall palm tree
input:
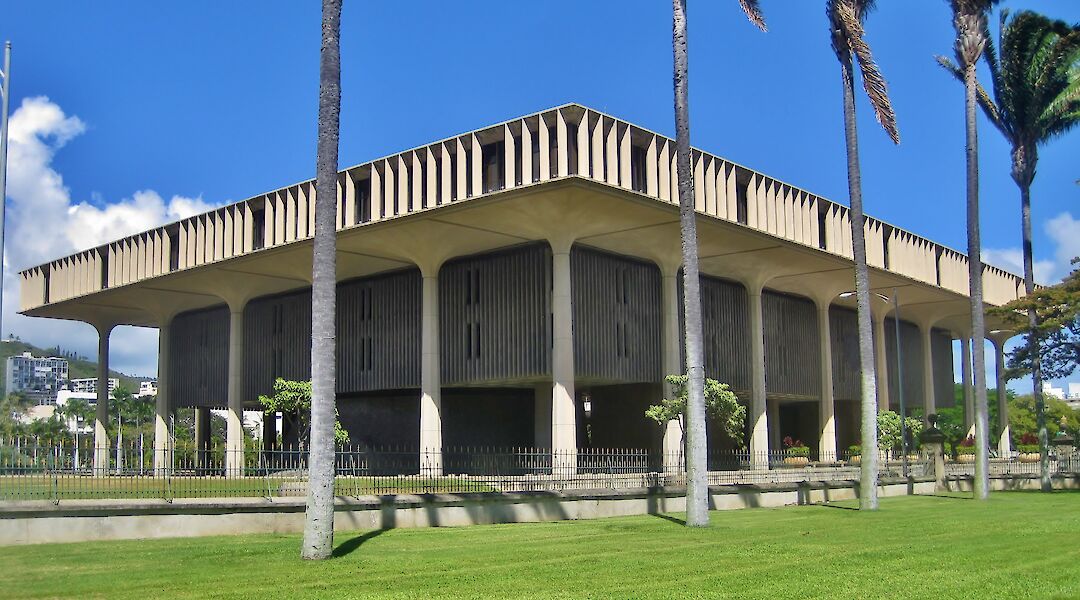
(969, 20)
(846, 18)
(697, 487)
(319, 523)
(1036, 98)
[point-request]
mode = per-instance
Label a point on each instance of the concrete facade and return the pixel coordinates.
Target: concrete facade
(566, 183)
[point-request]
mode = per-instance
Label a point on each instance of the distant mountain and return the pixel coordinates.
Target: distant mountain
(78, 367)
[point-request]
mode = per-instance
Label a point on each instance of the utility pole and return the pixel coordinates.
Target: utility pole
(6, 93)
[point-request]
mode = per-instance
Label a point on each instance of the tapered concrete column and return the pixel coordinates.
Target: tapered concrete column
(827, 407)
(758, 413)
(1004, 441)
(929, 405)
(431, 443)
(101, 416)
(162, 439)
(234, 441)
(673, 444)
(881, 361)
(969, 390)
(563, 401)
(202, 437)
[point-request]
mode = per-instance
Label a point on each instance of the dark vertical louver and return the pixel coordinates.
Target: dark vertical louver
(494, 315)
(199, 358)
(617, 313)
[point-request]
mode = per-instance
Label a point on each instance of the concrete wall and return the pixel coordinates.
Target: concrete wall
(100, 520)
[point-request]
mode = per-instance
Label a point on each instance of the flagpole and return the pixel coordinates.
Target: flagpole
(6, 92)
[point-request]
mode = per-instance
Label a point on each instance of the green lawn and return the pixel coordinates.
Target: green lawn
(1016, 545)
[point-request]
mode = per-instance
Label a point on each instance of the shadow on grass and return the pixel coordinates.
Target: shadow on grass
(675, 520)
(854, 508)
(949, 496)
(348, 546)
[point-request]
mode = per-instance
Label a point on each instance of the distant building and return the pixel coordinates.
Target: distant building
(75, 424)
(38, 378)
(89, 385)
(148, 388)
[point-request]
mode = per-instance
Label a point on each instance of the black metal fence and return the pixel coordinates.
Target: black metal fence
(37, 470)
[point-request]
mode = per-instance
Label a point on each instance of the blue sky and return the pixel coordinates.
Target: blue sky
(154, 110)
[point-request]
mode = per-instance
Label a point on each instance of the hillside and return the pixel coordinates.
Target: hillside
(78, 367)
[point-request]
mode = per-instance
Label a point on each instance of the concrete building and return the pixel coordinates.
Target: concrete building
(39, 378)
(147, 388)
(89, 385)
(489, 280)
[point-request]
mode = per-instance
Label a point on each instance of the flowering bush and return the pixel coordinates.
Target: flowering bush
(1029, 444)
(967, 446)
(795, 447)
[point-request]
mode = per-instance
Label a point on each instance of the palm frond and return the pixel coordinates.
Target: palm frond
(989, 106)
(753, 12)
(873, 81)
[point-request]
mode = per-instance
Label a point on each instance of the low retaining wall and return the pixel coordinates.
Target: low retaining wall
(95, 520)
(966, 483)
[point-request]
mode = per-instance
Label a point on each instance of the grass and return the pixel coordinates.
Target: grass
(44, 486)
(1016, 545)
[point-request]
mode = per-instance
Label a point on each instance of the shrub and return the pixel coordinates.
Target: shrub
(855, 450)
(1028, 444)
(795, 447)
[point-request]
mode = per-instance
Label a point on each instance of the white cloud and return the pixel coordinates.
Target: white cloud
(1012, 260)
(44, 223)
(1064, 232)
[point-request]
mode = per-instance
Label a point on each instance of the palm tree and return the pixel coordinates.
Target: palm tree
(319, 523)
(697, 488)
(1036, 85)
(846, 18)
(969, 20)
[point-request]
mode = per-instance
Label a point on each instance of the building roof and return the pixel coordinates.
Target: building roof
(573, 146)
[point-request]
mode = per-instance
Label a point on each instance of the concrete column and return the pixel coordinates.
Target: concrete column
(542, 416)
(673, 444)
(234, 441)
(969, 390)
(430, 385)
(881, 361)
(162, 438)
(202, 437)
(827, 408)
(101, 416)
(758, 415)
(563, 401)
(929, 405)
(1004, 441)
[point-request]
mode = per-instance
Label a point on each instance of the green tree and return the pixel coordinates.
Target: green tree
(722, 407)
(1036, 99)
(969, 21)
(889, 432)
(697, 489)
(294, 398)
(846, 19)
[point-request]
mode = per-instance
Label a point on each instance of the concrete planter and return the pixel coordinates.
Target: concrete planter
(1028, 457)
(796, 461)
(855, 460)
(965, 458)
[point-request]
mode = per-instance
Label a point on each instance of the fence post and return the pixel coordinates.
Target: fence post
(1063, 448)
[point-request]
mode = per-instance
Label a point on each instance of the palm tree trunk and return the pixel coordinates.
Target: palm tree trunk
(319, 524)
(1033, 340)
(975, 270)
(697, 489)
(868, 493)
